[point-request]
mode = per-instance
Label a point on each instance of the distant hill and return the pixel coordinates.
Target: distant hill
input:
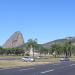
(60, 41)
(14, 40)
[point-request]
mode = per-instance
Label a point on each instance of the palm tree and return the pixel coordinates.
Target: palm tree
(67, 48)
(31, 44)
(55, 49)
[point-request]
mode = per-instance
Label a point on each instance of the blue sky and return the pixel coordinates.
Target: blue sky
(45, 20)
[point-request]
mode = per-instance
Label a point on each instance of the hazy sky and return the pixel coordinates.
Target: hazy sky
(45, 20)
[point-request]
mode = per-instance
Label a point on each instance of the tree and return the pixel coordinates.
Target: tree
(55, 49)
(32, 44)
(67, 48)
(73, 50)
(1, 51)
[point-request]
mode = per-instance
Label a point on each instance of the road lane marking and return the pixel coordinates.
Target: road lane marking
(72, 65)
(26, 69)
(47, 71)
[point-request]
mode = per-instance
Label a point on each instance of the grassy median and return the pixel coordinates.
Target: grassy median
(16, 63)
(20, 63)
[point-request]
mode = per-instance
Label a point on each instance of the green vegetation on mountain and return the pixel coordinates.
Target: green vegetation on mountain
(60, 41)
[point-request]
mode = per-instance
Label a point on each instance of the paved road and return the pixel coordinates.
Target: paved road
(67, 68)
(10, 59)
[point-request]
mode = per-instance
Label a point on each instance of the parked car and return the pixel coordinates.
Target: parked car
(64, 59)
(28, 59)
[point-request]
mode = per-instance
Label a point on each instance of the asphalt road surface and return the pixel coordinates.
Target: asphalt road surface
(65, 68)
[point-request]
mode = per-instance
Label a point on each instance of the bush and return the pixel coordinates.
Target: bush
(27, 54)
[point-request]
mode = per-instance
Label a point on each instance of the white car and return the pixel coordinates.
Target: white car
(28, 59)
(64, 59)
